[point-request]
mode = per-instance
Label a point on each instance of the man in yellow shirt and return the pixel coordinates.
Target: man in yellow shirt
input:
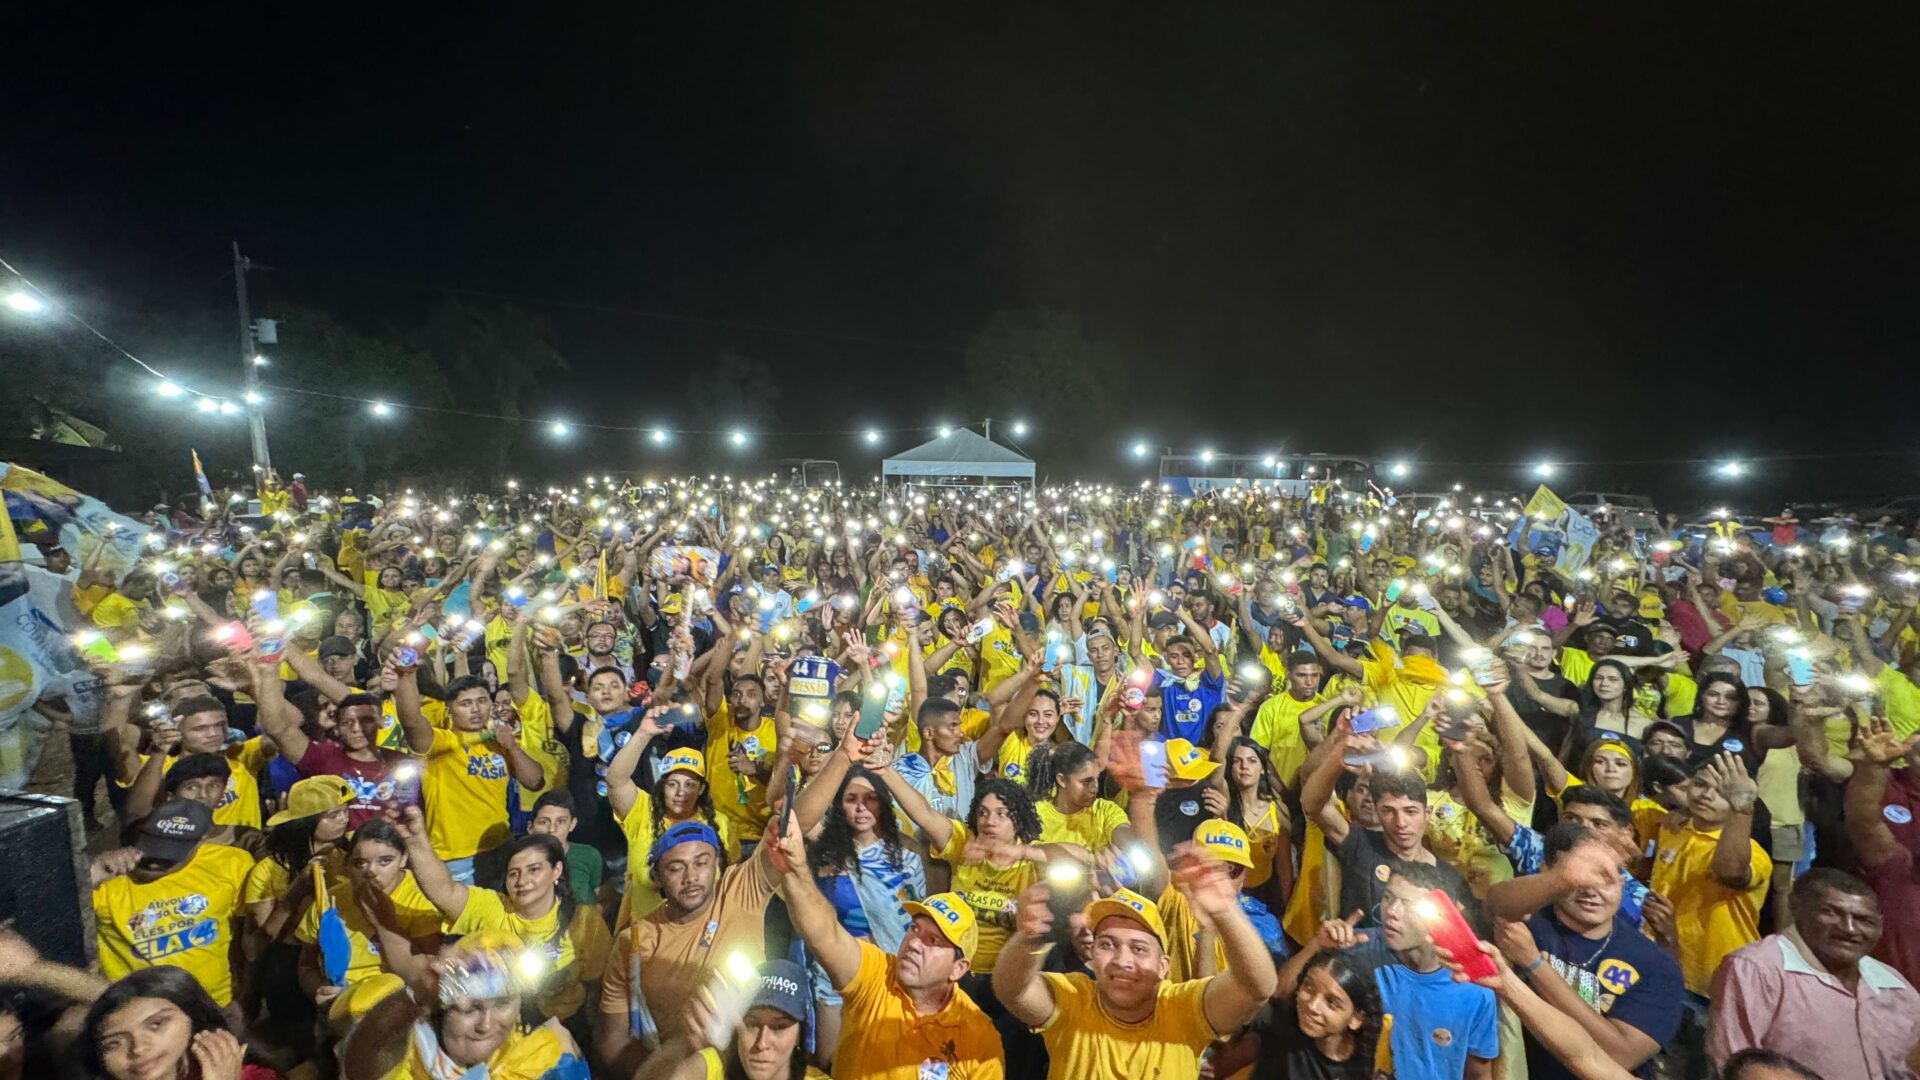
(1127, 1021)
(463, 782)
(197, 725)
(1277, 726)
(1707, 865)
(905, 1016)
(177, 906)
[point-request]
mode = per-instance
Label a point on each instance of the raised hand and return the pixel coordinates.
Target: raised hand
(218, 1054)
(1730, 777)
(1339, 933)
(1878, 745)
(1033, 917)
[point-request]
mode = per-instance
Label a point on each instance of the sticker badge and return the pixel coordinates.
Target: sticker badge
(1190, 808)
(1897, 814)
(1732, 746)
(1442, 1037)
(1383, 871)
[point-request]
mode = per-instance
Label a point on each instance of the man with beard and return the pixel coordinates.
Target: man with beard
(1812, 993)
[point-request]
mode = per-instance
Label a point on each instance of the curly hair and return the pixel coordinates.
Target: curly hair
(702, 804)
(835, 852)
(1026, 820)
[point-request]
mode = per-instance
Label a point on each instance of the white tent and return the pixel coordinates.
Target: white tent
(959, 455)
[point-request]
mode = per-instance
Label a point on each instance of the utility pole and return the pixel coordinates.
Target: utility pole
(256, 422)
(989, 429)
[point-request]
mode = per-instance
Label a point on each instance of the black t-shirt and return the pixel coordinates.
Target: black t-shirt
(1286, 1054)
(1551, 729)
(1625, 976)
(1365, 866)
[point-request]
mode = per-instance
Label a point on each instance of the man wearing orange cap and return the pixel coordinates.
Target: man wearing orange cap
(1127, 1020)
(904, 1016)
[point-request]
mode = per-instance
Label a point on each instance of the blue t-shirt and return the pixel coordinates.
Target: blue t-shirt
(1437, 1023)
(1184, 712)
(1625, 976)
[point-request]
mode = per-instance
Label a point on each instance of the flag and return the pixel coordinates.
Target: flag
(335, 950)
(200, 475)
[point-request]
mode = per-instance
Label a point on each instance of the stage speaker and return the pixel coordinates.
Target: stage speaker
(43, 875)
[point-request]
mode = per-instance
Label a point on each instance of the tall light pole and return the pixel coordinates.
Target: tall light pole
(256, 420)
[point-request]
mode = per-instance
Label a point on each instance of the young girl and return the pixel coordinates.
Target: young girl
(1607, 704)
(1064, 782)
(392, 928)
(678, 794)
(158, 1023)
(1325, 1022)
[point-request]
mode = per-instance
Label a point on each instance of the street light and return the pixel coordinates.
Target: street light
(1140, 450)
(207, 404)
(738, 438)
(659, 437)
(945, 431)
(560, 429)
(1398, 469)
(252, 397)
(1544, 469)
(1206, 456)
(1732, 470)
(872, 436)
(380, 408)
(228, 408)
(25, 302)
(1019, 429)
(168, 388)
(259, 361)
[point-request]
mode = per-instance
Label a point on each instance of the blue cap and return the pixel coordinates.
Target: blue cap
(1356, 600)
(783, 986)
(684, 833)
(1774, 595)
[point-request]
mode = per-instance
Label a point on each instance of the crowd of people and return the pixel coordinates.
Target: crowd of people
(730, 778)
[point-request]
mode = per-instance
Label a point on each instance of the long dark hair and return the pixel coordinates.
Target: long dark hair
(1365, 996)
(169, 984)
(1590, 701)
(702, 804)
(291, 843)
(835, 853)
(1737, 725)
(1264, 787)
(1047, 763)
(1026, 820)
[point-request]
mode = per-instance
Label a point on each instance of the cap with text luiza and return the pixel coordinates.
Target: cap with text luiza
(953, 916)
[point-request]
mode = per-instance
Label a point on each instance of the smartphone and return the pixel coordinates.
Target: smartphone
(1374, 719)
(873, 710)
(1800, 667)
(1394, 588)
(978, 631)
(1449, 930)
(265, 604)
(1423, 596)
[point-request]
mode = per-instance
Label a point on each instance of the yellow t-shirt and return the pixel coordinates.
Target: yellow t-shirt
(183, 920)
(574, 958)
(266, 881)
(464, 789)
(1183, 938)
(1092, 828)
(1900, 700)
(1575, 665)
(1276, 727)
(240, 803)
(383, 603)
(496, 636)
(1011, 762)
(1083, 1041)
(525, 1053)
(419, 920)
(896, 1043)
(1400, 618)
(641, 895)
(1457, 837)
(741, 798)
(538, 739)
(973, 724)
(991, 891)
(1711, 919)
(1266, 838)
(116, 610)
(999, 657)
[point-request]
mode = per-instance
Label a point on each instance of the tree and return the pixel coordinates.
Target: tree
(1038, 363)
(493, 358)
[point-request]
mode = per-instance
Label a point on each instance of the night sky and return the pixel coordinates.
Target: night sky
(1469, 233)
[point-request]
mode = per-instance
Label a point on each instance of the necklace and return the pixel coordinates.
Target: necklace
(1600, 950)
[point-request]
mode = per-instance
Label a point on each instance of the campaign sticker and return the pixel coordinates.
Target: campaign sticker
(1899, 815)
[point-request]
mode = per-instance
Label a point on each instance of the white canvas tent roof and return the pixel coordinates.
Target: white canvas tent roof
(959, 453)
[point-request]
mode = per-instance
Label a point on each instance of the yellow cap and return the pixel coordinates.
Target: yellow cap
(1224, 841)
(1187, 761)
(671, 605)
(685, 760)
(1128, 904)
(312, 797)
(1651, 607)
(358, 999)
(953, 916)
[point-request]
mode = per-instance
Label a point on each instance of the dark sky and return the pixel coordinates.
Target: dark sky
(1610, 231)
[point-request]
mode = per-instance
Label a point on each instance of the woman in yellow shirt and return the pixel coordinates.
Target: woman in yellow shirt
(538, 907)
(1064, 781)
(1035, 726)
(1253, 804)
(392, 928)
(680, 793)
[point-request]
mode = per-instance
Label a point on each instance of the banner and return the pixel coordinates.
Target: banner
(41, 510)
(1554, 528)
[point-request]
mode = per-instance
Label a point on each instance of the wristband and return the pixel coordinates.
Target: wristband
(1526, 973)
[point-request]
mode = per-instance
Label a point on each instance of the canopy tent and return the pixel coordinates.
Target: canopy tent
(960, 454)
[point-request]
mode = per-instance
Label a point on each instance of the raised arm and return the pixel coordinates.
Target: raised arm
(1878, 750)
(622, 792)
(429, 872)
(1732, 864)
(1516, 762)
(1016, 976)
(937, 826)
(406, 704)
(1316, 794)
(812, 914)
(279, 719)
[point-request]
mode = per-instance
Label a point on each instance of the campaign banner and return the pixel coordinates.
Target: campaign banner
(41, 510)
(1556, 529)
(684, 562)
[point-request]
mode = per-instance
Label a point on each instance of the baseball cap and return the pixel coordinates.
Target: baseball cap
(1224, 841)
(671, 605)
(686, 832)
(171, 832)
(335, 646)
(311, 797)
(1128, 904)
(1651, 607)
(1187, 761)
(1162, 618)
(1356, 600)
(783, 986)
(685, 759)
(953, 916)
